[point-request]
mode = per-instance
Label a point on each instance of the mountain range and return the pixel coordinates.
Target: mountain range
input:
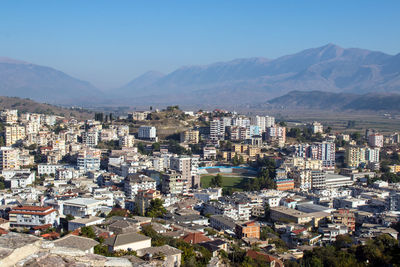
(317, 100)
(44, 84)
(329, 68)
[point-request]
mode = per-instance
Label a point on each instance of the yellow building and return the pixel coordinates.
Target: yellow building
(190, 136)
(354, 156)
(14, 133)
(394, 168)
(8, 158)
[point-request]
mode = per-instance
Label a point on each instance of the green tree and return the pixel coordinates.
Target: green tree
(342, 241)
(156, 146)
(216, 181)
(267, 212)
(156, 208)
(88, 231)
(69, 217)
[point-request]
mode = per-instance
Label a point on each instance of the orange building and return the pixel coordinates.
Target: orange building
(346, 217)
(283, 182)
(248, 229)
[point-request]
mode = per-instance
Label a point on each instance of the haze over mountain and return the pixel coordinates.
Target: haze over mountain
(328, 68)
(44, 84)
(317, 100)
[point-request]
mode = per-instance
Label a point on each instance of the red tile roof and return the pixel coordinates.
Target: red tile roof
(3, 232)
(264, 257)
(52, 235)
(298, 231)
(42, 227)
(32, 208)
(195, 238)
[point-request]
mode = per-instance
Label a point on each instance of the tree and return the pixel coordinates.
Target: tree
(342, 241)
(156, 146)
(328, 129)
(88, 231)
(216, 181)
(267, 212)
(156, 208)
(99, 117)
(69, 217)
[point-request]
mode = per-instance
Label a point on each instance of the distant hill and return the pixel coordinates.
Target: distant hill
(44, 84)
(318, 100)
(27, 105)
(329, 68)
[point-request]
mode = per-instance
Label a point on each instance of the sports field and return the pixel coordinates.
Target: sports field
(235, 182)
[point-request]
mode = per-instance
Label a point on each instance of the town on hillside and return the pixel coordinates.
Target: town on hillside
(195, 188)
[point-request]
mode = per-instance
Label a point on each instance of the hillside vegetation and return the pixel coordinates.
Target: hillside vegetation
(26, 105)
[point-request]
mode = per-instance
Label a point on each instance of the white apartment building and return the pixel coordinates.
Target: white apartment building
(135, 182)
(89, 159)
(316, 127)
(9, 116)
(80, 207)
(20, 180)
(375, 140)
(31, 216)
(147, 132)
(90, 138)
(49, 168)
(217, 130)
(127, 141)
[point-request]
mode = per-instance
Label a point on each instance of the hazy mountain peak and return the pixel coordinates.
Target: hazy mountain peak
(40, 83)
(11, 61)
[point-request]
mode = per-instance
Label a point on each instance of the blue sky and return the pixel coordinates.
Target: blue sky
(111, 42)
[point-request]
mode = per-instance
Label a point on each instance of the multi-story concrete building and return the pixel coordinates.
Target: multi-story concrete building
(283, 182)
(324, 151)
(188, 167)
(20, 180)
(89, 159)
(31, 216)
(90, 138)
(238, 133)
(375, 140)
(147, 133)
(316, 127)
(221, 222)
(49, 168)
(14, 133)
(133, 183)
(248, 230)
(259, 121)
(372, 154)
(288, 214)
(356, 156)
(173, 183)
(232, 209)
(345, 217)
(269, 121)
(9, 116)
(275, 133)
(190, 136)
(127, 141)
(9, 158)
(143, 199)
(217, 130)
(318, 179)
(80, 207)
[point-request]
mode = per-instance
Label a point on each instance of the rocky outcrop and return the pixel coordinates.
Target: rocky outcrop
(24, 250)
